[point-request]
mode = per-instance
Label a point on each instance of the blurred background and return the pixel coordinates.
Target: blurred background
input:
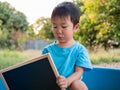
(26, 30)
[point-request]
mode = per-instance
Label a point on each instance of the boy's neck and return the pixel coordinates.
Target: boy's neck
(66, 44)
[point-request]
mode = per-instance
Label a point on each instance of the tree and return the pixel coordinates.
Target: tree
(99, 24)
(44, 26)
(13, 22)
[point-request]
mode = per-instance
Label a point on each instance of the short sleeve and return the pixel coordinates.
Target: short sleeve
(83, 59)
(44, 51)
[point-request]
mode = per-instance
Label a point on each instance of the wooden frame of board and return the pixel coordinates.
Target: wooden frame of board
(36, 74)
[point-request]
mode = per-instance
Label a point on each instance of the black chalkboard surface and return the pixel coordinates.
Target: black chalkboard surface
(36, 74)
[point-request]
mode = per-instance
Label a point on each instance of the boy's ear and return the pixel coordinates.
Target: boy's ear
(76, 27)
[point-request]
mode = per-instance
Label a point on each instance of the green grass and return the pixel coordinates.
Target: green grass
(12, 57)
(9, 58)
(102, 56)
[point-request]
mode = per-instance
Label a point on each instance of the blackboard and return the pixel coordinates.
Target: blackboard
(36, 74)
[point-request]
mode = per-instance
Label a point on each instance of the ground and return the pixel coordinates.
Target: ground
(110, 65)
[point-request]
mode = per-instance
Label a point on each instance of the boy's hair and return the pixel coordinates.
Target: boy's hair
(67, 9)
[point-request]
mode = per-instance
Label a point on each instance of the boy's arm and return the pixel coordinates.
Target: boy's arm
(65, 82)
(76, 75)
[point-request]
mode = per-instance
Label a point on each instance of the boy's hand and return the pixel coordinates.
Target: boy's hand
(62, 82)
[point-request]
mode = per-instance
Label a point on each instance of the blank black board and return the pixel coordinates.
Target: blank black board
(37, 74)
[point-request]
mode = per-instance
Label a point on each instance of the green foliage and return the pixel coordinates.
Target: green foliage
(11, 18)
(30, 33)
(11, 22)
(4, 37)
(17, 22)
(5, 12)
(99, 24)
(44, 28)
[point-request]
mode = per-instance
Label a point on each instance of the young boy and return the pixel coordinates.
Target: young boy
(70, 57)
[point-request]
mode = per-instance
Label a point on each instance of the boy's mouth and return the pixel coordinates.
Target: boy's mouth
(60, 38)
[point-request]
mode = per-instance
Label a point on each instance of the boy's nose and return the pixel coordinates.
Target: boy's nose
(59, 31)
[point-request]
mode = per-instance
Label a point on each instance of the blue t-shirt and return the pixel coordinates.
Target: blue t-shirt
(66, 59)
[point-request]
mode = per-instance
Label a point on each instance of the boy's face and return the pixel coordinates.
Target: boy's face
(63, 29)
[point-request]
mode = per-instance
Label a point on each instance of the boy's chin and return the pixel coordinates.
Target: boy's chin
(61, 41)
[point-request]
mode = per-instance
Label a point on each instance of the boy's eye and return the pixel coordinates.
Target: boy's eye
(64, 26)
(54, 26)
